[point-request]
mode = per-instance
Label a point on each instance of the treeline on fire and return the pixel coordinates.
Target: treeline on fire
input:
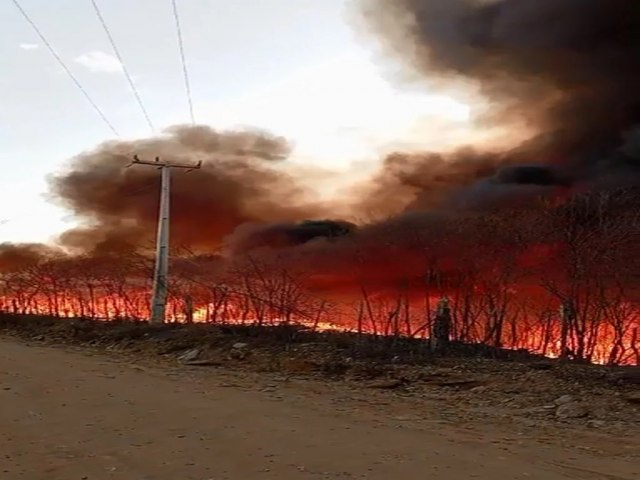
(559, 280)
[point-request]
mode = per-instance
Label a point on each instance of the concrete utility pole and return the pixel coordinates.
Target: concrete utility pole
(159, 295)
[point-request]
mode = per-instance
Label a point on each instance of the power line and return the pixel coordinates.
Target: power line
(184, 63)
(142, 189)
(64, 67)
(125, 70)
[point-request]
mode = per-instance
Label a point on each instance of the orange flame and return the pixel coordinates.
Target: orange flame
(606, 342)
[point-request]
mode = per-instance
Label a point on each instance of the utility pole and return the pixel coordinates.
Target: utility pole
(161, 270)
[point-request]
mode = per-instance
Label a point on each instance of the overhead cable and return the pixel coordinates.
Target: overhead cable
(65, 68)
(125, 70)
(185, 71)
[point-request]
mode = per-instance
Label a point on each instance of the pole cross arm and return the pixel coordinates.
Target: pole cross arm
(158, 163)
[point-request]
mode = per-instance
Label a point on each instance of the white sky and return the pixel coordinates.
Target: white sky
(294, 67)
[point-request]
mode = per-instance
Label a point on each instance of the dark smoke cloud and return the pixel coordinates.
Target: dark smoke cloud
(250, 237)
(244, 178)
(423, 181)
(568, 68)
(530, 175)
(513, 186)
(14, 256)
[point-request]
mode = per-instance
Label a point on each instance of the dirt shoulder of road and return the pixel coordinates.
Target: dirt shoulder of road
(177, 403)
(531, 395)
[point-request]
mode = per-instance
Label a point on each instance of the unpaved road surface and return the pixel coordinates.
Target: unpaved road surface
(71, 415)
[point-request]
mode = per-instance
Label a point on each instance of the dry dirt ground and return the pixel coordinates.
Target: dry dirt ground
(70, 413)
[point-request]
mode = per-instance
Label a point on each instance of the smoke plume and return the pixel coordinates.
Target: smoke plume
(16, 256)
(249, 237)
(567, 69)
(244, 178)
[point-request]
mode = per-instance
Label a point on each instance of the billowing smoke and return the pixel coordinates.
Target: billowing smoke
(566, 69)
(244, 178)
(20, 255)
(423, 181)
(249, 237)
(528, 175)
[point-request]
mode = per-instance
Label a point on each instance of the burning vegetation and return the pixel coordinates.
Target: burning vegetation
(534, 245)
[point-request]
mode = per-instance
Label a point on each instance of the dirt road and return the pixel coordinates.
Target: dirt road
(75, 415)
